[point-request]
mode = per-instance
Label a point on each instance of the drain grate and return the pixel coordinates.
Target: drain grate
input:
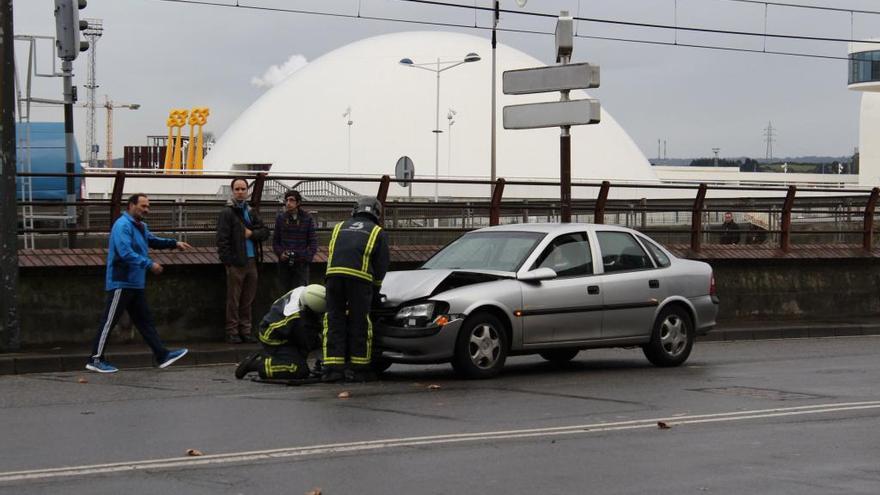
(758, 393)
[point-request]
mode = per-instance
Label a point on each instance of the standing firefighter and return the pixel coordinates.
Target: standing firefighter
(288, 332)
(356, 265)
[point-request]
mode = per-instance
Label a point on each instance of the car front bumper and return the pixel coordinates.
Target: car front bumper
(426, 345)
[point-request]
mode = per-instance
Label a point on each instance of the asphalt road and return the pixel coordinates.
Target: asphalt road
(798, 416)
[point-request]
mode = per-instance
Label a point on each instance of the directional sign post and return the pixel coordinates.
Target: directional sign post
(563, 113)
(404, 171)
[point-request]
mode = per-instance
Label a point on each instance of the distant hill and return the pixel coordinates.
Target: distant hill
(686, 162)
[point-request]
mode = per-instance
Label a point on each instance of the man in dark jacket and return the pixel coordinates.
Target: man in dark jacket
(288, 332)
(127, 263)
(730, 233)
(240, 233)
(357, 262)
(295, 242)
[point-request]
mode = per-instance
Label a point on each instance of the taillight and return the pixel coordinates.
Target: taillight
(712, 284)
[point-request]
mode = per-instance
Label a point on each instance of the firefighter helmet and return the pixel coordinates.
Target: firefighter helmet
(314, 298)
(369, 205)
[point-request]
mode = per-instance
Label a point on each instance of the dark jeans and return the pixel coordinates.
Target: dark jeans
(133, 301)
(348, 331)
(293, 276)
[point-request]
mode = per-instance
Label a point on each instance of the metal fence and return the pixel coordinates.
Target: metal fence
(781, 216)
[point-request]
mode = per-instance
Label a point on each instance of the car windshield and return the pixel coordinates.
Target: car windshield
(502, 251)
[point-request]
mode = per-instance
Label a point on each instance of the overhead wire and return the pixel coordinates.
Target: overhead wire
(676, 42)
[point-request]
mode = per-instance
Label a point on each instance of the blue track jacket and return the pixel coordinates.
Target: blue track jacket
(127, 259)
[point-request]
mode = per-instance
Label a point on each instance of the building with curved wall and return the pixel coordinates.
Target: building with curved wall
(864, 76)
(298, 126)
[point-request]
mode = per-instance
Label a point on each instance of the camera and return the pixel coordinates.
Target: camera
(291, 258)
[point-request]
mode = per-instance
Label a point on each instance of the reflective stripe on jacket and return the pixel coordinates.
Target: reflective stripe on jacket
(358, 248)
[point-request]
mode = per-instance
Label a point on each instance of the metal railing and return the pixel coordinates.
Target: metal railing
(768, 216)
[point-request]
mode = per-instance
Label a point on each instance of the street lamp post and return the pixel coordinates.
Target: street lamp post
(450, 117)
(438, 67)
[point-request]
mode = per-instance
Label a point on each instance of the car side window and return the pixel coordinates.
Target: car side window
(568, 255)
(659, 256)
(621, 252)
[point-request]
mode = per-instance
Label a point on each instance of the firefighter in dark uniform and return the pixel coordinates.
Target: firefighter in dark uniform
(288, 332)
(356, 264)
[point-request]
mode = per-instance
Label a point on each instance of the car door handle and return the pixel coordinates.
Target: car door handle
(592, 289)
(654, 284)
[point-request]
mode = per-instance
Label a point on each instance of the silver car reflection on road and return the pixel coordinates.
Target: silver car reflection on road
(550, 289)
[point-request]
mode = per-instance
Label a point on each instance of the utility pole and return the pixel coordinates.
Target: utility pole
(10, 333)
(768, 139)
(67, 28)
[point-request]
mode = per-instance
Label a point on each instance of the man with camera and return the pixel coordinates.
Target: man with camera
(295, 242)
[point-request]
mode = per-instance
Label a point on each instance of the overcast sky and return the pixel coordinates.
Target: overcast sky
(166, 54)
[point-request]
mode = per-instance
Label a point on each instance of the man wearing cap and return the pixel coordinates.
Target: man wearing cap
(356, 264)
(288, 332)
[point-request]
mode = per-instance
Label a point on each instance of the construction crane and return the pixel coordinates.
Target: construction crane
(109, 105)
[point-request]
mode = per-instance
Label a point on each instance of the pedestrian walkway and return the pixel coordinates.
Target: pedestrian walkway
(138, 355)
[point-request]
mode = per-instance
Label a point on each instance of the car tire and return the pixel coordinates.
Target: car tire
(481, 347)
(671, 339)
(559, 357)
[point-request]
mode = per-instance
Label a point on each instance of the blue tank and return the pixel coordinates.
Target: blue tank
(47, 156)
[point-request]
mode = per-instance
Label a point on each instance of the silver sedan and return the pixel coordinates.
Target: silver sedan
(548, 289)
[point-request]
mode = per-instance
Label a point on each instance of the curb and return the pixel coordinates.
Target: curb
(24, 363)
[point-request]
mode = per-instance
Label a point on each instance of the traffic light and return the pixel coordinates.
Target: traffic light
(67, 28)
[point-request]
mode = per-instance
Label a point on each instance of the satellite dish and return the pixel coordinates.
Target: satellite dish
(521, 3)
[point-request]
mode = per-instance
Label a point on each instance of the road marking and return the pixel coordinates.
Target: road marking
(337, 448)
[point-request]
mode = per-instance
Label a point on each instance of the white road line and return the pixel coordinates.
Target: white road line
(336, 448)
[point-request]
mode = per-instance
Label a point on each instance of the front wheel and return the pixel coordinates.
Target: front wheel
(481, 347)
(672, 338)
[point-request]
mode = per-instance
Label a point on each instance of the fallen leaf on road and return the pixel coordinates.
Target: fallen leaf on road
(194, 452)
(434, 387)
(314, 491)
(81, 380)
(344, 395)
(662, 425)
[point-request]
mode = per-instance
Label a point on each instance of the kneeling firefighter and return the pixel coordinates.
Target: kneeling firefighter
(288, 332)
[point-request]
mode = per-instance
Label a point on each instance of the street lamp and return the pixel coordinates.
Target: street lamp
(349, 122)
(437, 68)
(450, 117)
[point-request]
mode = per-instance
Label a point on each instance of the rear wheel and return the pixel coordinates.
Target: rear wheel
(672, 338)
(559, 356)
(481, 348)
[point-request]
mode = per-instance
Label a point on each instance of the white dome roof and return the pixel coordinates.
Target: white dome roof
(298, 126)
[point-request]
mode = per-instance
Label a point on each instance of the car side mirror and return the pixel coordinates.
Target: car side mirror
(538, 275)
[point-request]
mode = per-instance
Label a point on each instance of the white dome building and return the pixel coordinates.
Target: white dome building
(298, 126)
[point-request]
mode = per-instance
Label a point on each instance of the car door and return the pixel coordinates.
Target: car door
(630, 285)
(569, 307)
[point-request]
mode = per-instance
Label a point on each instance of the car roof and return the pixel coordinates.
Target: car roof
(551, 227)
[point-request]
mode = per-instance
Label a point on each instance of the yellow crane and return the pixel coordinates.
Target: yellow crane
(110, 105)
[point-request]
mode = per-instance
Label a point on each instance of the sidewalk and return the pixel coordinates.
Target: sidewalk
(138, 355)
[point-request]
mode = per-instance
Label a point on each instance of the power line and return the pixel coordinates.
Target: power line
(209, 3)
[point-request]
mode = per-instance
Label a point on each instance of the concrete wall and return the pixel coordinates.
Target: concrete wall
(63, 306)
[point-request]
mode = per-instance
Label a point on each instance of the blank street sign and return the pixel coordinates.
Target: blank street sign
(552, 114)
(550, 78)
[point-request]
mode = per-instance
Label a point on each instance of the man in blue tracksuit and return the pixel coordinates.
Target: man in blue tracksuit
(127, 265)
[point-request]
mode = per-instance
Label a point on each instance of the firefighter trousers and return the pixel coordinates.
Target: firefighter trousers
(348, 331)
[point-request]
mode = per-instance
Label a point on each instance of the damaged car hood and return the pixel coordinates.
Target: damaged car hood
(403, 286)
